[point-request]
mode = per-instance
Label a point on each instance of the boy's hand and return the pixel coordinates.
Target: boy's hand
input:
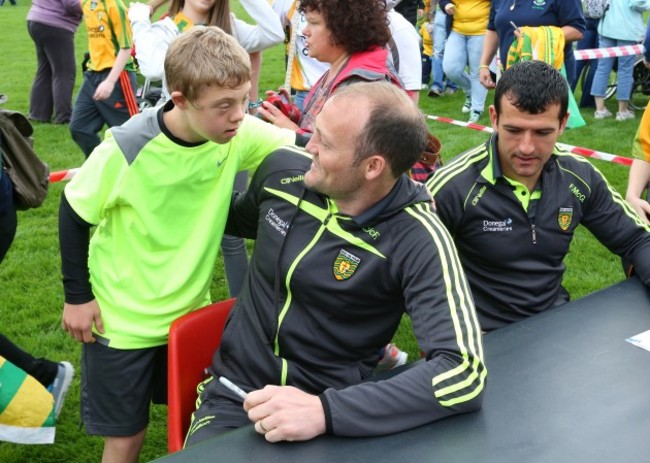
(285, 413)
(78, 320)
(104, 90)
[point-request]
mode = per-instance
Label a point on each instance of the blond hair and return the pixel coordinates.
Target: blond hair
(205, 56)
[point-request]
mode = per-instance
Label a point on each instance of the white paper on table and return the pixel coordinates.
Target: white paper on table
(641, 340)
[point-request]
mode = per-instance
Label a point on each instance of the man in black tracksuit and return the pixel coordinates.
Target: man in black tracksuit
(345, 244)
(512, 205)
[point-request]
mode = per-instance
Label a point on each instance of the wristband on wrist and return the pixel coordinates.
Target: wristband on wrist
(484, 66)
(255, 104)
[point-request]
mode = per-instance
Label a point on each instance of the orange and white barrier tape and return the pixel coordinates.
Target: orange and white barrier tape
(68, 174)
(570, 148)
(612, 52)
(597, 53)
(63, 175)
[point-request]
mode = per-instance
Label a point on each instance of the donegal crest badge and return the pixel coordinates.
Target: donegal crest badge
(345, 265)
(565, 217)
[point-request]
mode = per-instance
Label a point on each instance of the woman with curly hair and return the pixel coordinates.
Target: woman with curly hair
(351, 37)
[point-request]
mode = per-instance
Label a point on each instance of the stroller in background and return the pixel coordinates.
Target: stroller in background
(148, 95)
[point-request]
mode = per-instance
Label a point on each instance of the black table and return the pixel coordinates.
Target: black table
(563, 386)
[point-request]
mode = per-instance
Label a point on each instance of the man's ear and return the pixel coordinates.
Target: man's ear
(179, 100)
(563, 123)
(375, 167)
(494, 117)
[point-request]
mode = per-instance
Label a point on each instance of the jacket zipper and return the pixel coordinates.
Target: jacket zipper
(287, 304)
(533, 232)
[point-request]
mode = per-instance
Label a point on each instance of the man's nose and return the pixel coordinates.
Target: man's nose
(527, 145)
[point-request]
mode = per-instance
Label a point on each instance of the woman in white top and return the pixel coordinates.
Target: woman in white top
(152, 40)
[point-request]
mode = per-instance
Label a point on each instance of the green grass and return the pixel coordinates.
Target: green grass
(31, 293)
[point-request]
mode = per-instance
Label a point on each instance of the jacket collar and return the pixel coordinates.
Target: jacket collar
(492, 170)
(404, 193)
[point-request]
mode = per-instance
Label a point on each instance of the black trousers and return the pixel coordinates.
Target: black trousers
(55, 75)
(90, 115)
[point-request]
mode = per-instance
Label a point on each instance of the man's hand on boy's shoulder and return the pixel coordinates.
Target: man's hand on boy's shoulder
(78, 320)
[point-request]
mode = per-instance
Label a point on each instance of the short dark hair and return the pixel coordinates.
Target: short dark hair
(356, 25)
(395, 129)
(532, 86)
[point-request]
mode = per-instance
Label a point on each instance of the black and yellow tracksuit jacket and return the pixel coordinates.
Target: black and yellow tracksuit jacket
(512, 248)
(326, 291)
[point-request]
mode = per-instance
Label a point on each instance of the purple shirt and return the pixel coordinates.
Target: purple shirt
(65, 14)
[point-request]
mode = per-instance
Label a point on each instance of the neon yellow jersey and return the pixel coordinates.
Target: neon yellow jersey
(109, 31)
(160, 210)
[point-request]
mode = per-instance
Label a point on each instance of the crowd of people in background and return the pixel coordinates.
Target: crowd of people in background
(208, 63)
(479, 36)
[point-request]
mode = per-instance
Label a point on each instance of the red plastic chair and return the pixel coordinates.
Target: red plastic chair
(193, 338)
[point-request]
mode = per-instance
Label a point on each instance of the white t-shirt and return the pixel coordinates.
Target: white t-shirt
(407, 47)
(152, 40)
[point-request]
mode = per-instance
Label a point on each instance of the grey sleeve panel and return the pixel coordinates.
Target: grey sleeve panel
(134, 134)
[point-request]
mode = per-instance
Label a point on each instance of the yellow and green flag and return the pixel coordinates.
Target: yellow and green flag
(26, 407)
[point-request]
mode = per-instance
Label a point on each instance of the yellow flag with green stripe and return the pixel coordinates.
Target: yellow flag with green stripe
(26, 407)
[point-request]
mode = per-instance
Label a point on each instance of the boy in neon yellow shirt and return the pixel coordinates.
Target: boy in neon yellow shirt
(158, 189)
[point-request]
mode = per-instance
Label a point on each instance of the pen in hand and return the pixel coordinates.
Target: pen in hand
(234, 388)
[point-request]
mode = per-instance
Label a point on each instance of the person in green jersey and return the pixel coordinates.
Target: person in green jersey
(158, 190)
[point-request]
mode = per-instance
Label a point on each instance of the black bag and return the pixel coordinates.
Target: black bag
(30, 176)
